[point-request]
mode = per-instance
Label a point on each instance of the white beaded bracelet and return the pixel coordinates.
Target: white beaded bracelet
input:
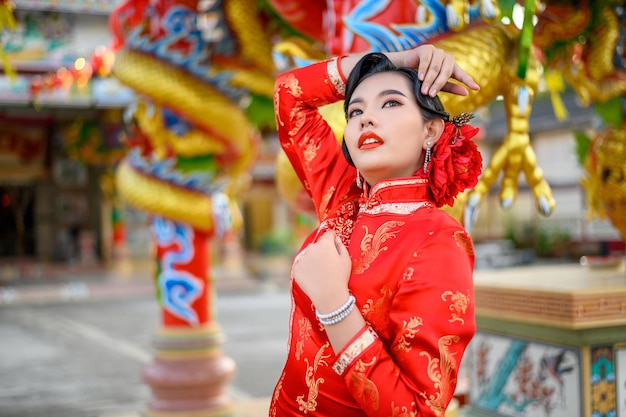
(338, 315)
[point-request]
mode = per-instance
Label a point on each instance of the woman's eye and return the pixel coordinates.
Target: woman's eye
(354, 112)
(391, 103)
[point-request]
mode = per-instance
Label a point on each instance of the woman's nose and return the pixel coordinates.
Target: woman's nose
(367, 119)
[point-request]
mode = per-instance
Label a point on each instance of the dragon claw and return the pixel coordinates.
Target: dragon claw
(470, 214)
(506, 203)
(544, 206)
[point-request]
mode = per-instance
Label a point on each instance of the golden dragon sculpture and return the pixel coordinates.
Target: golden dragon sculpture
(192, 69)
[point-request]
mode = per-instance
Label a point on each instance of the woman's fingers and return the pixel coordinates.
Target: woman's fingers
(438, 73)
(460, 75)
(435, 68)
(419, 58)
(341, 249)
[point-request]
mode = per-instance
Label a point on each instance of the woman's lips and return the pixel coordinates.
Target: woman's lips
(370, 140)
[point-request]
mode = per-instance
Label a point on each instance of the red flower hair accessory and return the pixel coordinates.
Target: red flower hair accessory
(456, 163)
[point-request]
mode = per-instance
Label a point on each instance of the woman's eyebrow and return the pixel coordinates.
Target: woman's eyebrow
(381, 94)
(390, 92)
(356, 100)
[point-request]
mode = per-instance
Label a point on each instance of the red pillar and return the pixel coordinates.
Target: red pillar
(189, 374)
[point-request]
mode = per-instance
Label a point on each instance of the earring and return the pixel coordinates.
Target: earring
(359, 181)
(427, 157)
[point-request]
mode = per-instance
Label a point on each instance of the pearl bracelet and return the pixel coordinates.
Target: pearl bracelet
(338, 315)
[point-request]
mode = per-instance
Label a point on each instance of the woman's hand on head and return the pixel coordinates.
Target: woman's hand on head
(322, 270)
(435, 67)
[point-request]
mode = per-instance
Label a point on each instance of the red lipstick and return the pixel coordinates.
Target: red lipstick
(370, 135)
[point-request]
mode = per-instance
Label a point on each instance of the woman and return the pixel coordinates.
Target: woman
(382, 295)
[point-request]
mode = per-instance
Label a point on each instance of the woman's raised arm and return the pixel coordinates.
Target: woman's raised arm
(434, 66)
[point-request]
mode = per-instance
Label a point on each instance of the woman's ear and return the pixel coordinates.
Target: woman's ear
(434, 129)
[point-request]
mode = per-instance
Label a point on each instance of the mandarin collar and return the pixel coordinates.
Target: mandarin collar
(396, 190)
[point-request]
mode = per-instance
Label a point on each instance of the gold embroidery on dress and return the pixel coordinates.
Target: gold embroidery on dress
(459, 304)
(310, 404)
(365, 388)
(409, 330)
(410, 181)
(440, 372)
(365, 340)
(298, 117)
(335, 78)
(309, 150)
(347, 209)
(325, 199)
(464, 241)
(291, 84)
(377, 312)
(396, 208)
(279, 121)
(277, 391)
(372, 245)
(403, 411)
(342, 227)
(408, 274)
(304, 334)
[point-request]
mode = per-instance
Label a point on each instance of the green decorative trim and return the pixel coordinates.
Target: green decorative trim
(557, 335)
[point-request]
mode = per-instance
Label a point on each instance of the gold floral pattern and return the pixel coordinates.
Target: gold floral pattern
(394, 183)
(342, 227)
(310, 403)
(367, 338)
(332, 68)
(364, 387)
(277, 390)
(403, 411)
(409, 330)
(323, 207)
(290, 83)
(440, 371)
(304, 324)
(372, 245)
(377, 312)
(396, 208)
(603, 397)
(464, 241)
(408, 274)
(459, 305)
(310, 148)
(347, 209)
(298, 117)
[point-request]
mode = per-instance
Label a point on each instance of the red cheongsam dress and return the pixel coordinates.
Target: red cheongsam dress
(411, 275)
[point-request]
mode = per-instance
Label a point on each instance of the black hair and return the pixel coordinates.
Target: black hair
(376, 63)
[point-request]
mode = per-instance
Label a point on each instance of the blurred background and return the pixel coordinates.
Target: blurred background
(63, 131)
(134, 131)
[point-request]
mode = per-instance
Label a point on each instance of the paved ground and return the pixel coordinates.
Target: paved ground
(74, 340)
(74, 345)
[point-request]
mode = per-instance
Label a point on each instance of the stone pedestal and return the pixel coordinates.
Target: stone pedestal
(189, 375)
(551, 342)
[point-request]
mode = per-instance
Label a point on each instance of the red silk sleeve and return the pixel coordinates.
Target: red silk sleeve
(432, 322)
(306, 138)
